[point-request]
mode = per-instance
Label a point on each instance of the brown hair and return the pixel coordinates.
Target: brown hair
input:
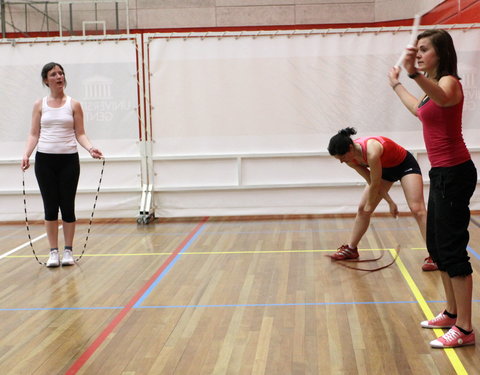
(447, 57)
(47, 67)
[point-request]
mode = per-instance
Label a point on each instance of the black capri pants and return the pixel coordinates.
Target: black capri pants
(448, 216)
(57, 176)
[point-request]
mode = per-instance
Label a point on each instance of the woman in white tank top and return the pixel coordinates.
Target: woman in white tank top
(57, 126)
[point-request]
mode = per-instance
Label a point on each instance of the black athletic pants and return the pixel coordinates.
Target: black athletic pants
(449, 215)
(57, 176)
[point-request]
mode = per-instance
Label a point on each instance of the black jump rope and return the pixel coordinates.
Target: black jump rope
(344, 262)
(89, 224)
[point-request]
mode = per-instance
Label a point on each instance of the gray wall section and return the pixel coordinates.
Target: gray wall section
(157, 14)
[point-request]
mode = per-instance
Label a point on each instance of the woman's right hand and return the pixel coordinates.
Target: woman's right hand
(25, 163)
(393, 209)
(410, 60)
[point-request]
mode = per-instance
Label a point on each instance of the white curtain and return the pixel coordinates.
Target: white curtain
(102, 75)
(289, 93)
(272, 102)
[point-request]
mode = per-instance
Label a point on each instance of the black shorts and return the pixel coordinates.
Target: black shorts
(409, 165)
(449, 215)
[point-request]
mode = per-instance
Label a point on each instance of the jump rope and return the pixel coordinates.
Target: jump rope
(344, 263)
(89, 224)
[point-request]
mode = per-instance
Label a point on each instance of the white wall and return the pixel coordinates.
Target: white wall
(156, 14)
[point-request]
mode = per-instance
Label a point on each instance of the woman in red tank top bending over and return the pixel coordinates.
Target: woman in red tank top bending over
(381, 162)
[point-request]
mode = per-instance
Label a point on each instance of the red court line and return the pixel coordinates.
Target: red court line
(78, 364)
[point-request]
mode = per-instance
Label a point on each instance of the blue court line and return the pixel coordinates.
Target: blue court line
(225, 305)
(168, 268)
(474, 253)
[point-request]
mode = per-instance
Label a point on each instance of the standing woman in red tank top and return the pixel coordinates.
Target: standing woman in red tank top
(453, 176)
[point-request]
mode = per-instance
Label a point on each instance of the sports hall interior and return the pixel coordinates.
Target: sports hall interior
(203, 237)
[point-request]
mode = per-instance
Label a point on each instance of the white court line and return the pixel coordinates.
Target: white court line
(25, 244)
(22, 246)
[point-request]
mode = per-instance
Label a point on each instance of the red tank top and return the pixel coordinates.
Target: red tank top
(393, 154)
(442, 132)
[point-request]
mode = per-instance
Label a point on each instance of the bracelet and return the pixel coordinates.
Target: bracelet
(90, 150)
(414, 75)
(395, 85)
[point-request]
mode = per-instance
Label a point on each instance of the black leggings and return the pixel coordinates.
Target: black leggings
(57, 176)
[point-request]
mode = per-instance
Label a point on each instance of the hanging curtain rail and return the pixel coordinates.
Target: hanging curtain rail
(306, 33)
(86, 38)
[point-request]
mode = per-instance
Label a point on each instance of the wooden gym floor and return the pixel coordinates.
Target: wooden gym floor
(254, 295)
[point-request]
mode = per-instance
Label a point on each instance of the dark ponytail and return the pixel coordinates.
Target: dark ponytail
(340, 143)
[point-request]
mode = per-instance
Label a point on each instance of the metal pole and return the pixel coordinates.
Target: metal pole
(2, 10)
(60, 19)
(71, 18)
(126, 17)
(26, 19)
(47, 17)
(116, 15)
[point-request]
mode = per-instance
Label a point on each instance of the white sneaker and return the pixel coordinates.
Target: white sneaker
(53, 260)
(67, 259)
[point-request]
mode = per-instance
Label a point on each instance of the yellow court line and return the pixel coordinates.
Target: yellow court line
(271, 251)
(452, 356)
(198, 253)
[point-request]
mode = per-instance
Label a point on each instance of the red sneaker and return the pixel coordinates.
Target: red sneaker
(440, 321)
(344, 252)
(429, 265)
(453, 339)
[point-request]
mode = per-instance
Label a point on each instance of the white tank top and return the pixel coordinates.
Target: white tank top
(57, 134)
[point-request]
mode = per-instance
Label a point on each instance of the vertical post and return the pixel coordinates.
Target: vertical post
(60, 19)
(126, 17)
(147, 206)
(116, 15)
(70, 7)
(26, 18)
(2, 10)
(46, 16)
